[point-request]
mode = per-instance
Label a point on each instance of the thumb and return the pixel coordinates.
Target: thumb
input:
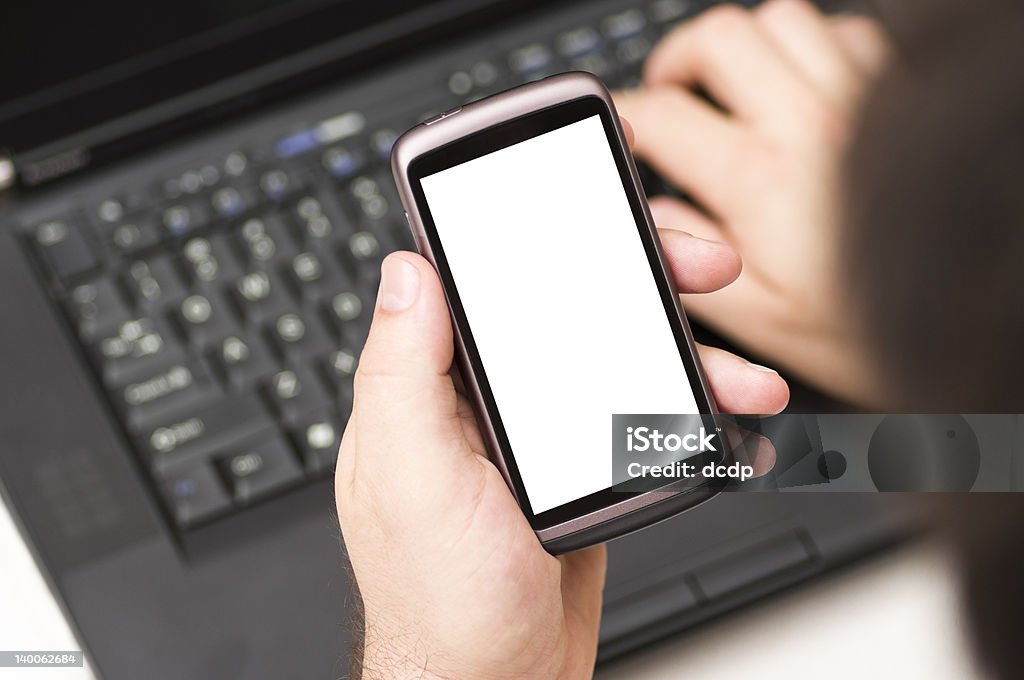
(404, 396)
(410, 340)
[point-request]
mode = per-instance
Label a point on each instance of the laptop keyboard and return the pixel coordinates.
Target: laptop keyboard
(223, 308)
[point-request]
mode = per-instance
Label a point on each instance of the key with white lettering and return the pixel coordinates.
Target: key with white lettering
(261, 296)
(136, 349)
(296, 337)
(262, 242)
(148, 400)
(296, 391)
(155, 283)
(314, 279)
(206, 319)
(65, 247)
(319, 435)
(243, 360)
(97, 308)
(200, 432)
(260, 469)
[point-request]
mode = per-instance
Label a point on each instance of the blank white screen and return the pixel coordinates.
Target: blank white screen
(561, 301)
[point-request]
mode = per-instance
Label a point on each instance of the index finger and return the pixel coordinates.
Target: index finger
(726, 53)
(628, 130)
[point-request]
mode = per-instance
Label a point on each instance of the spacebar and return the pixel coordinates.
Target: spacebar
(203, 431)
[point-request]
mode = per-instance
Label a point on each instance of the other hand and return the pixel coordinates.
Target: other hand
(750, 112)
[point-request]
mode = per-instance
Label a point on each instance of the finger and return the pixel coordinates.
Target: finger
(750, 448)
(470, 429)
(726, 53)
(864, 40)
(583, 575)
(671, 213)
(404, 395)
(699, 266)
(801, 32)
(685, 139)
(628, 130)
(742, 387)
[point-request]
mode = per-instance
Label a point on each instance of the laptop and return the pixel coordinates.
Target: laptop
(195, 202)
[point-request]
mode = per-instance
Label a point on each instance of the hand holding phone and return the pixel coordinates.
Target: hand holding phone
(450, 572)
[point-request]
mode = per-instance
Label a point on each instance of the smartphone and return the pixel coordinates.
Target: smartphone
(529, 206)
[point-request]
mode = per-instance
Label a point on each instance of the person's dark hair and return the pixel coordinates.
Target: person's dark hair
(935, 249)
(935, 203)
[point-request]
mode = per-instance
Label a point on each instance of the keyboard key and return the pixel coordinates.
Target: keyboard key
(194, 495)
(191, 182)
(340, 367)
(231, 201)
(294, 392)
(350, 315)
(365, 247)
(206, 319)
(202, 431)
(347, 307)
(342, 364)
(235, 164)
(577, 42)
(386, 187)
(624, 24)
(243, 360)
(297, 338)
(65, 248)
(262, 297)
(260, 469)
(667, 11)
(485, 74)
(382, 141)
(363, 251)
(460, 83)
(315, 281)
(97, 308)
(596, 63)
(311, 226)
(110, 211)
(131, 236)
(277, 184)
(530, 59)
(156, 282)
(318, 436)
(633, 51)
(144, 402)
(181, 219)
(342, 162)
(211, 261)
(139, 348)
(209, 175)
(263, 241)
(368, 196)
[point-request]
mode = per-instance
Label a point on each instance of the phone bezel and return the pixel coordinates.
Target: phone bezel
(605, 505)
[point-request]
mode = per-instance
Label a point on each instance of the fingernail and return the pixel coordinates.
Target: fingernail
(759, 367)
(399, 285)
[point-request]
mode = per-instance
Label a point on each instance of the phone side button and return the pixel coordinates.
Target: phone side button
(442, 116)
(415, 234)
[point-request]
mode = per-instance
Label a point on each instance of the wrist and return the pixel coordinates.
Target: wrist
(385, 659)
